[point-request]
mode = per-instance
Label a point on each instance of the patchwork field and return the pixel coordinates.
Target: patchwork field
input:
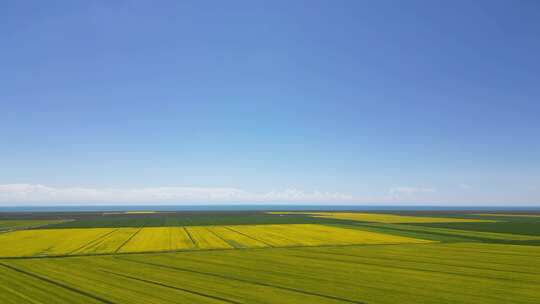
(77, 241)
(278, 258)
(168, 219)
(479, 235)
(525, 224)
(511, 215)
(383, 218)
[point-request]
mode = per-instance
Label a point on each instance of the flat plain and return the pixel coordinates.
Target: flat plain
(385, 218)
(79, 241)
(19, 224)
(274, 258)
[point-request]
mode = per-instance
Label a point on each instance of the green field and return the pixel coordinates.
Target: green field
(19, 224)
(503, 223)
(109, 220)
(290, 258)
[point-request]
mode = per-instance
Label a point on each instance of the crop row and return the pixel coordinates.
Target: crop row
(404, 273)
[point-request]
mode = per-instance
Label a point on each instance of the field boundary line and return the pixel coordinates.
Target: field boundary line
(172, 287)
(224, 240)
(249, 236)
(243, 280)
(195, 244)
(73, 289)
(203, 250)
(127, 241)
(92, 242)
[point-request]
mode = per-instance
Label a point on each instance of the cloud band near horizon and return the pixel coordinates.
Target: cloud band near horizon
(37, 193)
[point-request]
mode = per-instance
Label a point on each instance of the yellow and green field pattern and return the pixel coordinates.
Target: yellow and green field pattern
(459, 232)
(85, 241)
(507, 215)
(383, 218)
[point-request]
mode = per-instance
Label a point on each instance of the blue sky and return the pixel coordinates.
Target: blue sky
(387, 102)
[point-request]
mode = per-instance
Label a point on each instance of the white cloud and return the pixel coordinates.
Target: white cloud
(31, 193)
(465, 186)
(409, 193)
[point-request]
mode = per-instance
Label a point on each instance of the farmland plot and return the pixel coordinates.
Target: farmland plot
(404, 273)
(384, 218)
(158, 239)
(206, 239)
(111, 242)
(316, 235)
(153, 239)
(459, 232)
(17, 224)
(48, 242)
(236, 239)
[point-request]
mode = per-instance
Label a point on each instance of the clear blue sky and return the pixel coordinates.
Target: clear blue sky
(381, 101)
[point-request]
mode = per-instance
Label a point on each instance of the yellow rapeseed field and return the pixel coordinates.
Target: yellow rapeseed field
(205, 239)
(148, 239)
(179, 239)
(384, 218)
(158, 239)
(236, 239)
(81, 241)
(47, 241)
(109, 243)
(267, 234)
(316, 235)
